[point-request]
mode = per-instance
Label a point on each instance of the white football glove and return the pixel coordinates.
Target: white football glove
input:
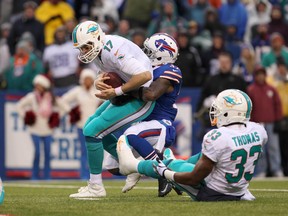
(160, 168)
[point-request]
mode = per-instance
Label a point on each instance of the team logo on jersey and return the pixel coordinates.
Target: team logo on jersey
(120, 56)
(231, 101)
(164, 46)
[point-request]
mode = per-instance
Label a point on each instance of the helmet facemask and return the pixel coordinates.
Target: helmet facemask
(88, 52)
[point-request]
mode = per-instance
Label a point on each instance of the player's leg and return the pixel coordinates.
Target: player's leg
(129, 164)
(47, 149)
(194, 159)
(110, 119)
(148, 139)
(35, 169)
(84, 173)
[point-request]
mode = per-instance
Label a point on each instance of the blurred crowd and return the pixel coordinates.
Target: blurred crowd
(222, 44)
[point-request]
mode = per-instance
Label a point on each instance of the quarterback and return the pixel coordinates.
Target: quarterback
(224, 168)
(110, 53)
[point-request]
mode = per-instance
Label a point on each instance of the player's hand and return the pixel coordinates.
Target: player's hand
(106, 94)
(160, 168)
(99, 82)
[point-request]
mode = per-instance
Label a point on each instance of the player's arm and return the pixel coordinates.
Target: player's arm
(157, 88)
(201, 170)
(136, 81)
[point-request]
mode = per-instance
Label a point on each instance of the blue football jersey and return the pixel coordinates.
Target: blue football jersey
(165, 107)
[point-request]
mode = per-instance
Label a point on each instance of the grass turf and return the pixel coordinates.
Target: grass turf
(51, 198)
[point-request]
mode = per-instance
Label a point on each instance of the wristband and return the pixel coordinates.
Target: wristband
(169, 175)
(118, 91)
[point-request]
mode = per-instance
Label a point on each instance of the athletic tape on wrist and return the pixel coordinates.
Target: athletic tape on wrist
(168, 174)
(118, 91)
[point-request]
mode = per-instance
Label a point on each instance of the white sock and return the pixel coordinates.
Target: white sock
(96, 179)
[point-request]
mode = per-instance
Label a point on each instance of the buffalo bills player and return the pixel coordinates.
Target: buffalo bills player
(149, 137)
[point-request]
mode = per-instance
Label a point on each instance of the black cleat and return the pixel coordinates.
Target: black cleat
(164, 187)
(177, 190)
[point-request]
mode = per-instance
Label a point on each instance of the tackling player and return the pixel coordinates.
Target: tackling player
(229, 154)
(150, 136)
(110, 53)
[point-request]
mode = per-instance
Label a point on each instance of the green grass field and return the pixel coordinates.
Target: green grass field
(51, 198)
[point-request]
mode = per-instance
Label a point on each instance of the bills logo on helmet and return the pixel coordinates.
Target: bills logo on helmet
(164, 46)
(231, 101)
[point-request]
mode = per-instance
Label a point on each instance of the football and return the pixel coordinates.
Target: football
(114, 81)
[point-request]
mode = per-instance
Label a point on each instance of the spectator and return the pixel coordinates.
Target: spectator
(232, 42)
(61, 62)
(210, 57)
(225, 79)
(258, 13)
(101, 8)
(261, 42)
(27, 23)
(24, 66)
(123, 28)
(138, 37)
(245, 65)
(189, 62)
(53, 13)
(280, 81)
(168, 21)
(234, 12)
(140, 13)
(266, 110)
(83, 103)
(4, 49)
(36, 108)
(277, 23)
(212, 23)
(277, 49)
(197, 12)
(201, 40)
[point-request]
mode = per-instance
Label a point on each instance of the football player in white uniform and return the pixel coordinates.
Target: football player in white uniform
(110, 53)
(227, 161)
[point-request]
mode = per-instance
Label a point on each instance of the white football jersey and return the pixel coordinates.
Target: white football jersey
(62, 59)
(235, 150)
(123, 57)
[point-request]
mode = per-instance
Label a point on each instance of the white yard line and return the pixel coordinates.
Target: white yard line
(33, 185)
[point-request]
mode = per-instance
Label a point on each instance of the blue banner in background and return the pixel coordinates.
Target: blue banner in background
(16, 160)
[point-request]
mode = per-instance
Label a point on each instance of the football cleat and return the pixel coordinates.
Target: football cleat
(90, 191)
(164, 187)
(168, 154)
(131, 181)
(248, 196)
(127, 162)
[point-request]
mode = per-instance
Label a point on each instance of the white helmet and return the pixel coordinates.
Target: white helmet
(89, 34)
(161, 48)
(230, 106)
